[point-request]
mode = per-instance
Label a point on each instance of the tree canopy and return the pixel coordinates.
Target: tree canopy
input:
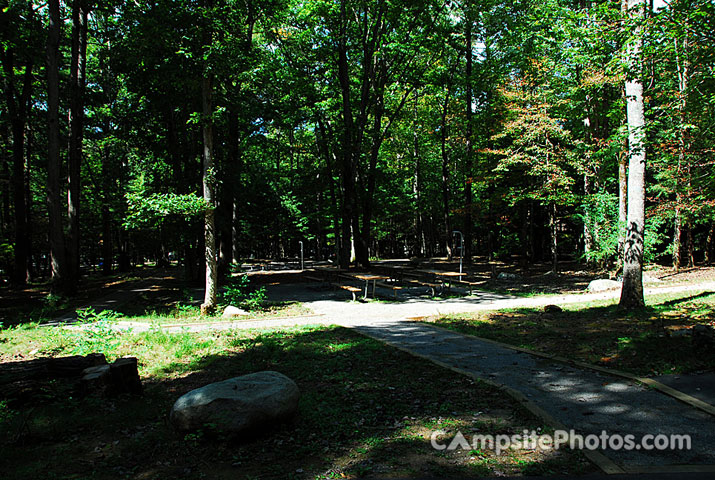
(365, 129)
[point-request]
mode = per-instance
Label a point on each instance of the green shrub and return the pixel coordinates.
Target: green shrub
(238, 292)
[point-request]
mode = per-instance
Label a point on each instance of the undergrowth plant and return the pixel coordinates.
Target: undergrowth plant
(239, 292)
(96, 334)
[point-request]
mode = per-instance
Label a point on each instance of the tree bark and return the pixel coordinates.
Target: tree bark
(54, 203)
(107, 257)
(322, 135)
(235, 159)
(31, 271)
(468, 167)
(350, 225)
(682, 73)
(17, 106)
(209, 186)
(632, 289)
(588, 236)
(553, 226)
(690, 249)
(76, 121)
(622, 205)
(417, 187)
(445, 172)
(677, 233)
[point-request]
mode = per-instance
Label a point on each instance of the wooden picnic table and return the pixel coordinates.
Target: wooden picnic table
(330, 274)
(443, 276)
(396, 272)
(367, 277)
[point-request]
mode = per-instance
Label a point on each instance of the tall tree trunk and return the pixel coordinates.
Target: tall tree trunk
(416, 187)
(54, 202)
(209, 185)
(234, 232)
(31, 271)
(5, 194)
(632, 289)
(622, 207)
(553, 226)
(225, 235)
(468, 167)
(677, 233)
(690, 245)
(445, 172)
(682, 66)
(107, 257)
(107, 181)
(76, 121)
(235, 159)
(349, 148)
(588, 230)
(17, 106)
(324, 132)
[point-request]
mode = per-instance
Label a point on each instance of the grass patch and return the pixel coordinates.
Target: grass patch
(188, 314)
(643, 343)
(366, 410)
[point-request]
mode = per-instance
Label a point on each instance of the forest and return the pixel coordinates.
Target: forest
(209, 131)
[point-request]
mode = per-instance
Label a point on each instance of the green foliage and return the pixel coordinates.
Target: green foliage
(6, 256)
(95, 333)
(151, 210)
(55, 300)
(655, 236)
(239, 293)
(7, 414)
(601, 218)
(89, 316)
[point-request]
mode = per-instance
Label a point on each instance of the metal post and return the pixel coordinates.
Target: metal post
(461, 251)
(301, 254)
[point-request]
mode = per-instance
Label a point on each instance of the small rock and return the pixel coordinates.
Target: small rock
(552, 309)
(238, 405)
(602, 285)
(232, 311)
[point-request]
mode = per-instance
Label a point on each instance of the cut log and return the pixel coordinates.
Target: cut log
(125, 376)
(120, 377)
(47, 367)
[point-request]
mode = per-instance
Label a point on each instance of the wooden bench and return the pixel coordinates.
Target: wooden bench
(351, 289)
(310, 277)
(432, 286)
(468, 284)
(412, 274)
(390, 286)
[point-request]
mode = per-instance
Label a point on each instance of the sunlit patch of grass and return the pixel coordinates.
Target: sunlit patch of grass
(188, 314)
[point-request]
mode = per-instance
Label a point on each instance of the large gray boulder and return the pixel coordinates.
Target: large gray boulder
(603, 285)
(237, 405)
